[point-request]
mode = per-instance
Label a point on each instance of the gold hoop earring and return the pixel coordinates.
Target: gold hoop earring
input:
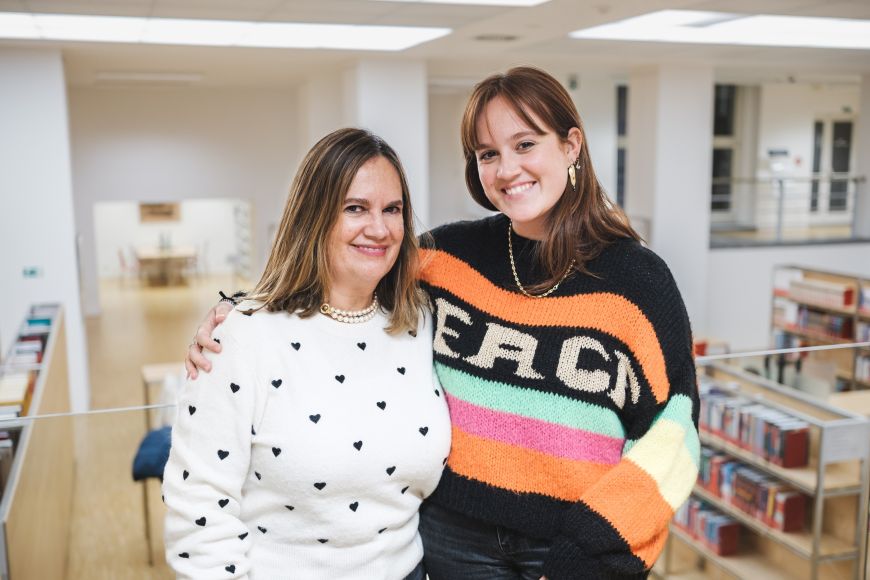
(572, 175)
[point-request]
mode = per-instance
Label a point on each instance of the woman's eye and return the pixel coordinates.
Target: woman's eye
(353, 209)
(524, 145)
(393, 210)
(486, 155)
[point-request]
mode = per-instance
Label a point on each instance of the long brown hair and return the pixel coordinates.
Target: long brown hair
(296, 278)
(583, 222)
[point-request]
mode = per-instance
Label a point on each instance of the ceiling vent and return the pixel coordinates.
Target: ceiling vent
(496, 37)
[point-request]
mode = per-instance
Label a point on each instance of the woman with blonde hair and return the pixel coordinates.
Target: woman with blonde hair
(565, 354)
(307, 450)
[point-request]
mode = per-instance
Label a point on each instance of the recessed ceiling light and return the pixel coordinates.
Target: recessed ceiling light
(496, 37)
(690, 26)
(213, 32)
(477, 2)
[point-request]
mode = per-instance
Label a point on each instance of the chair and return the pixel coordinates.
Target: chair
(128, 268)
(150, 461)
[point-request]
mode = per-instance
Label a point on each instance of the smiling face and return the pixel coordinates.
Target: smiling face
(365, 240)
(523, 171)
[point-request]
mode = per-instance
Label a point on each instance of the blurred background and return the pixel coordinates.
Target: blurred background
(147, 146)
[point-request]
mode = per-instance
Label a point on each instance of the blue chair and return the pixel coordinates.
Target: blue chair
(150, 461)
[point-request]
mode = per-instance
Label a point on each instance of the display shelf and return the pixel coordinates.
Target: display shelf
(799, 542)
(751, 565)
(839, 478)
(834, 539)
(809, 335)
(822, 308)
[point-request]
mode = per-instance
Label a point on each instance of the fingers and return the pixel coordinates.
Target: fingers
(190, 367)
(221, 311)
(197, 359)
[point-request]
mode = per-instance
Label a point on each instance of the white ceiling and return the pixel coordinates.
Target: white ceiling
(540, 31)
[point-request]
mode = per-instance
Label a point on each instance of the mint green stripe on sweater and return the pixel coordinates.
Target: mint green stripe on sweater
(678, 410)
(529, 403)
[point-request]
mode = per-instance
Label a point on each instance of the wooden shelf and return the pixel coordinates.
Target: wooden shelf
(809, 335)
(753, 566)
(838, 477)
(799, 542)
(822, 308)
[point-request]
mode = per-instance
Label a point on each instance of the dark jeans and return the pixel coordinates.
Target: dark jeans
(456, 546)
(418, 573)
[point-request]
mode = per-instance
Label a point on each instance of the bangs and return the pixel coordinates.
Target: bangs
(523, 107)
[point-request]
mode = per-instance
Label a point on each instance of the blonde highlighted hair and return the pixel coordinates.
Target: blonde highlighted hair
(296, 277)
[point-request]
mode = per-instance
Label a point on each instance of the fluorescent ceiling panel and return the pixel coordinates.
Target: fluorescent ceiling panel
(476, 2)
(213, 32)
(689, 26)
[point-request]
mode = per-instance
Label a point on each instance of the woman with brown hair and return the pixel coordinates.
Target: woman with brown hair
(565, 354)
(307, 450)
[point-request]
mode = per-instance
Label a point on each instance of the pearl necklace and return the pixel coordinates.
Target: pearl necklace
(517, 278)
(351, 316)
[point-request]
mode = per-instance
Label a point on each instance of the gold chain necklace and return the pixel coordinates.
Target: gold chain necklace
(517, 278)
(351, 316)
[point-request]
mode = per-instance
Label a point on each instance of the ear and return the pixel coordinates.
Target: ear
(573, 142)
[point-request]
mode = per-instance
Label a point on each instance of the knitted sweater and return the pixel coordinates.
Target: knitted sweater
(574, 416)
(305, 452)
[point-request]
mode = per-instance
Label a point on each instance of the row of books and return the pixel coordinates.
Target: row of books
(823, 293)
(833, 325)
(862, 332)
(766, 498)
(707, 525)
(771, 434)
(7, 454)
(19, 372)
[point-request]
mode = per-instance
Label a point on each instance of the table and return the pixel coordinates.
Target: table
(166, 266)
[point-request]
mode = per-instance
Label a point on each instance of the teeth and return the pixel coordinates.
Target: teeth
(518, 188)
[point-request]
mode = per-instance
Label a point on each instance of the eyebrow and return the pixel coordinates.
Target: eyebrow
(513, 137)
(365, 202)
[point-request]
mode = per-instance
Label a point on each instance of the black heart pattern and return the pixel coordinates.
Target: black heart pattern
(314, 418)
(243, 536)
(290, 507)
(276, 451)
(234, 387)
(339, 378)
(382, 405)
(252, 430)
(191, 409)
(404, 489)
(231, 568)
(358, 445)
(217, 340)
(277, 383)
(201, 521)
(223, 454)
(361, 345)
(391, 469)
(295, 345)
(259, 477)
(437, 393)
(382, 530)
(322, 540)
(223, 502)
(262, 529)
(184, 555)
(444, 462)
(401, 370)
(354, 506)
(423, 430)
(185, 474)
(320, 484)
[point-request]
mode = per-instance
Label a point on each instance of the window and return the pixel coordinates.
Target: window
(724, 147)
(621, 141)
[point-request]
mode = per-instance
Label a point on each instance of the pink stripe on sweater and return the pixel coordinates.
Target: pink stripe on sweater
(534, 434)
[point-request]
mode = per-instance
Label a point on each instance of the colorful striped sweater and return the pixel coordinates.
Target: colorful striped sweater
(574, 416)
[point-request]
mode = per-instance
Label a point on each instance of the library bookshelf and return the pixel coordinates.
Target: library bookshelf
(36, 504)
(815, 307)
(832, 539)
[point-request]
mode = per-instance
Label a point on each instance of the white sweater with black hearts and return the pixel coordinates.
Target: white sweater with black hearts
(305, 452)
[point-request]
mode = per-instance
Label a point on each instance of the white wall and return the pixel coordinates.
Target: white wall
(595, 99)
(740, 282)
(206, 224)
(178, 144)
(36, 222)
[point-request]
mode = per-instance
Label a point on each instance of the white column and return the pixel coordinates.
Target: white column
(391, 100)
(862, 165)
(670, 143)
(37, 222)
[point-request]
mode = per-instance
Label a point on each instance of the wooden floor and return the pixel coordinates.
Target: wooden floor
(138, 325)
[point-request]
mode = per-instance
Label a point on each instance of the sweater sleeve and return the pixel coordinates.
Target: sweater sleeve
(208, 465)
(619, 526)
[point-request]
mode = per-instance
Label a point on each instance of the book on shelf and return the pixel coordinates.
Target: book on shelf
(823, 293)
(783, 278)
(715, 530)
(862, 368)
(16, 388)
(862, 331)
(7, 455)
(864, 299)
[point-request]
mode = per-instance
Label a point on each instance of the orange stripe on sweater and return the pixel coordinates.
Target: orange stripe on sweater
(642, 514)
(604, 311)
(521, 470)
